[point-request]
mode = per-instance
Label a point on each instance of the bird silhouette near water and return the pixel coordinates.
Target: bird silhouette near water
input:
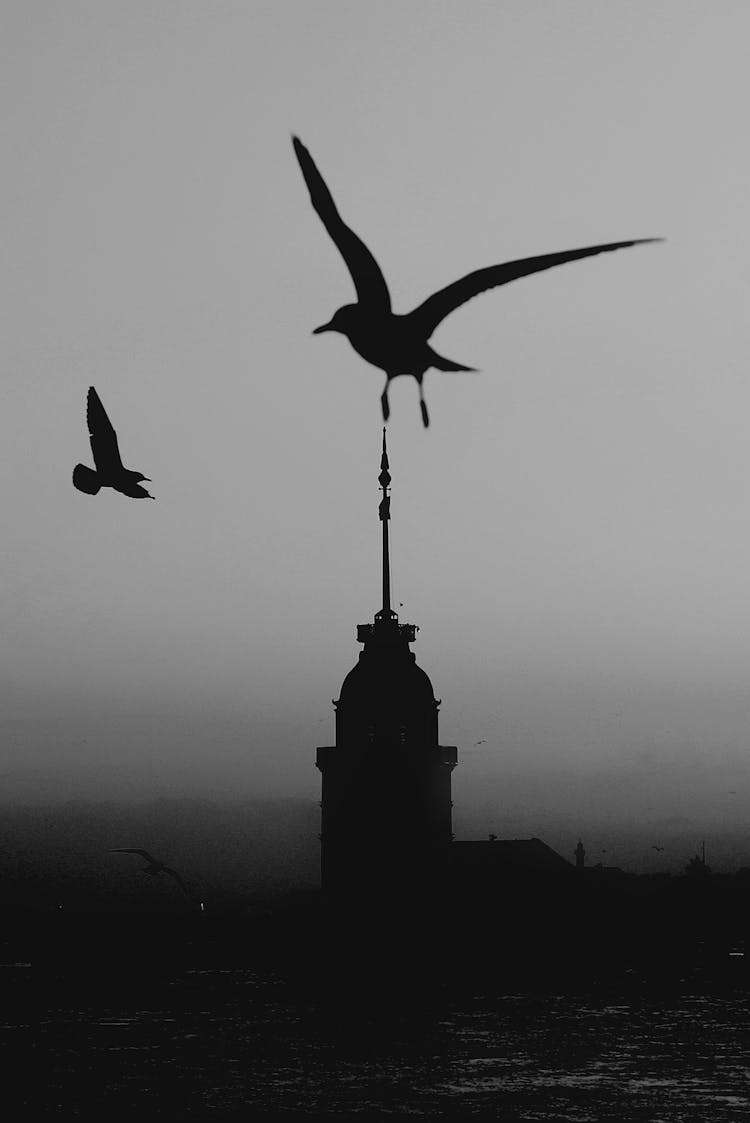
(154, 865)
(109, 471)
(399, 344)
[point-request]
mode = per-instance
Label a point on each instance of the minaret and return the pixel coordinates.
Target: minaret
(386, 806)
(580, 854)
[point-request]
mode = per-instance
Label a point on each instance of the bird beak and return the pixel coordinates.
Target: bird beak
(146, 479)
(324, 327)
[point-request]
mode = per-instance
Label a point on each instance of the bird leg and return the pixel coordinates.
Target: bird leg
(423, 406)
(384, 401)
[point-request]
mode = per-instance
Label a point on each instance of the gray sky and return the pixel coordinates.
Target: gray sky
(571, 534)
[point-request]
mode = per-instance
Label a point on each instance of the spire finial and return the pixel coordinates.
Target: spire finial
(386, 627)
(384, 514)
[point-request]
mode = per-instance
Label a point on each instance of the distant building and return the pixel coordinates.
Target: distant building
(697, 866)
(480, 865)
(386, 799)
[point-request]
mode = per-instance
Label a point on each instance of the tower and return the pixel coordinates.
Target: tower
(580, 855)
(386, 800)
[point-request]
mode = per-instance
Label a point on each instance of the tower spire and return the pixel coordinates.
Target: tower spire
(384, 514)
(386, 628)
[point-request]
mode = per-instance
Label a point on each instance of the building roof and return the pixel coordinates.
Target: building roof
(386, 674)
(508, 855)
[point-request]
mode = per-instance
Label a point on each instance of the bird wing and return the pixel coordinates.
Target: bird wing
(85, 479)
(429, 314)
(178, 879)
(366, 274)
(126, 850)
(102, 435)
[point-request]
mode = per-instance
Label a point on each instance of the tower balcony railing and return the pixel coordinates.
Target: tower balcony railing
(361, 750)
(407, 632)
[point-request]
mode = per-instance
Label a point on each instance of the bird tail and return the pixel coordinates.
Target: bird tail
(448, 364)
(85, 479)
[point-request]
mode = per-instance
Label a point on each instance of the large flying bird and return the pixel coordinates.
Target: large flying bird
(109, 469)
(399, 344)
(154, 865)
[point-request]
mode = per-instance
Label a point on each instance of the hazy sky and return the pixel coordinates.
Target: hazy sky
(571, 534)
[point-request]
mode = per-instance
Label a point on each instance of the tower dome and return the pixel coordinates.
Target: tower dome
(386, 699)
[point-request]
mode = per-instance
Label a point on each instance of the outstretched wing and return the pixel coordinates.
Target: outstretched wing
(178, 879)
(366, 274)
(429, 314)
(103, 437)
(143, 853)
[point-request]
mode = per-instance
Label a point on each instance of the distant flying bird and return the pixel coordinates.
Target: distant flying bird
(659, 848)
(154, 865)
(109, 470)
(398, 344)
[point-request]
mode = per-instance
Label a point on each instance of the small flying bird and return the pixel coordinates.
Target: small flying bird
(659, 848)
(399, 344)
(154, 865)
(109, 470)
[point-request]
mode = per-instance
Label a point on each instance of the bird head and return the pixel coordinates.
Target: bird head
(140, 492)
(136, 491)
(343, 320)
